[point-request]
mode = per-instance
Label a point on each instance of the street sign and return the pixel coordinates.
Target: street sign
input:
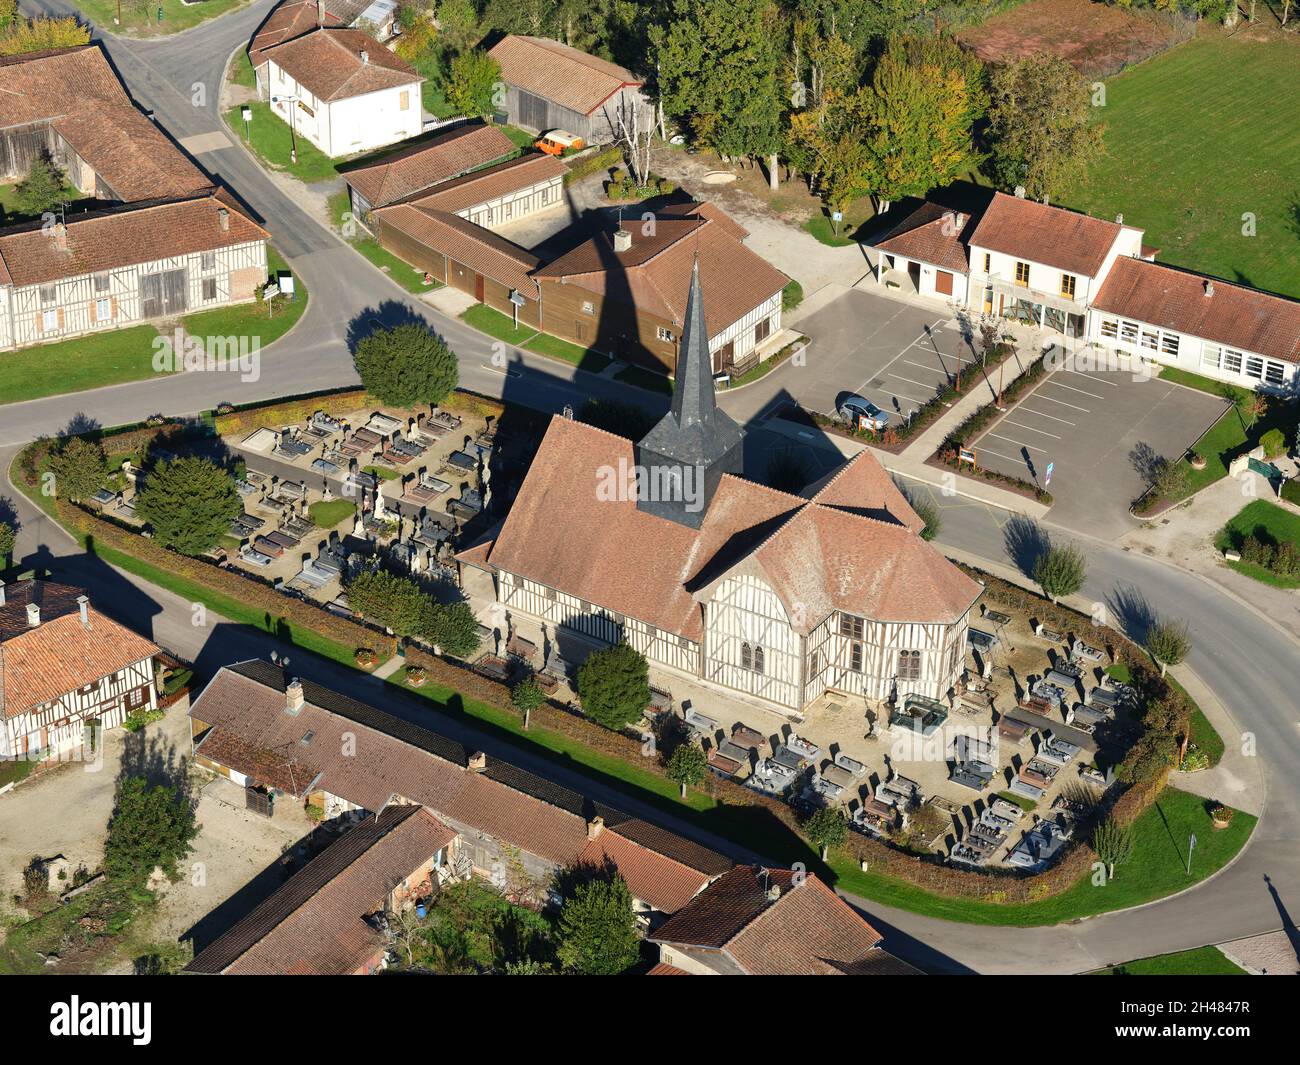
(1047, 477)
(286, 282)
(966, 454)
(837, 216)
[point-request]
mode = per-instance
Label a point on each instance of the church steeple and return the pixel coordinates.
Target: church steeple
(685, 455)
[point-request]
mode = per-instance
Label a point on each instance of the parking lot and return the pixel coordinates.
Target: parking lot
(1098, 429)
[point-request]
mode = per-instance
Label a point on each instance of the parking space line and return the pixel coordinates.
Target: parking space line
(1062, 402)
(1021, 444)
(1061, 384)
(1049, 417)
(1044, 432)
(1094, 380)
(999, 455)
(900, 377)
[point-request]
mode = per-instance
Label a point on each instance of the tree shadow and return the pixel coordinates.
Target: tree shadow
(387, 315)
(1026, 542)
(1132, 611)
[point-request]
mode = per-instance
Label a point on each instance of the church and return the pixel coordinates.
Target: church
(664, 544)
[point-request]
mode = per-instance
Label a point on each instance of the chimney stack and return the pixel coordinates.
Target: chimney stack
(33, 615)
(595, 826)
(365, 57)
(320, 12)
(293, 697)
(622, 239)
(223, 219)
(82, 604)
(1119, 219)
(61, 236)
(2, 593)
(1209, 287)
(477, 762)
(1020, 192)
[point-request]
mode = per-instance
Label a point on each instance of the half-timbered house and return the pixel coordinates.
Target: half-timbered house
(664, 544)
(65, 667)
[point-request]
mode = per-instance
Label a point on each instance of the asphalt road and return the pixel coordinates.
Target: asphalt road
(1247, 660)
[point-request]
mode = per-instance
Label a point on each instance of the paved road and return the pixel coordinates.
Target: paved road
(1238, 653)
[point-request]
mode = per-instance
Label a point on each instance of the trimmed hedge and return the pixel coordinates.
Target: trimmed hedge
(593, 164)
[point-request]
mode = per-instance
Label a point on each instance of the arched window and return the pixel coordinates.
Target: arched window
(758, 659)
(746, 656)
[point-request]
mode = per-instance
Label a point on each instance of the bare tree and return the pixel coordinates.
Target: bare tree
(633, 123)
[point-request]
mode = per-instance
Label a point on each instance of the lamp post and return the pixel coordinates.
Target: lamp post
(293, 128)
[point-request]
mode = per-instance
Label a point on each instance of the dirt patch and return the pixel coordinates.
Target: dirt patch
(1098, 40)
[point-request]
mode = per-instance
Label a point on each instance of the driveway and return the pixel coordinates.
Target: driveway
(1100, 430)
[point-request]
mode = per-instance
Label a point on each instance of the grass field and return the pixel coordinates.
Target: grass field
(1268, 522)
(399, 270)
(75, 365)
(328, 514)
(1193, 145)
(1203, 961)
(495, 324)
(271, 140)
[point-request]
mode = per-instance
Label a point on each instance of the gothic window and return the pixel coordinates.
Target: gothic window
(746, 656)
(758, 659)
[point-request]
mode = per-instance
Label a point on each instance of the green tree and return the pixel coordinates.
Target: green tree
(597, 929)
(717, 72)
(1168, 642)
(827, 828)
(1060, 571)
(927, 93)
(397, 603)
(458, 24)
(454, 628)
(190, 503)
(471, 82)
(406, 365)
(1042, 126)
(1113, 843)
(687, 766)
(614, 686)
(8, 537)
(40, 34)
(79, 467)
(527, 696)
(150, 826)
(928, 512)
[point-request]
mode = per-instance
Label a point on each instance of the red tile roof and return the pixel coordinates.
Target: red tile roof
(60, 655)
(478, 248)
(316, 923)
(124, 236)
(853, 547)
(804, 930)
(556, 72)
(1067, 240)
(287, 21)
(654, 274)
(75, 90)
(493, 183)
(367, 756)
(664, 969)
(410, 170)
(1240, 317)
(930, 234)
(335, 64)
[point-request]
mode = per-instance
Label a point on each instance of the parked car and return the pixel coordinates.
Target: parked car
(860, 413)
(557, 142)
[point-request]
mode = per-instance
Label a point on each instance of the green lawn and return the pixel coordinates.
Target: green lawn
(1203, 961)
(1023, 801)
(240, 72)
(1268, 522)
(399, 270)
(1157, 869)
(254, 320)
(1194, 141)
(574, 354)
(821, 226)
(271, 141)
(495, 324)
(382, 472)
(140, 19)
(328, 514)
(640, 377)
(75, 365)
(11, 213)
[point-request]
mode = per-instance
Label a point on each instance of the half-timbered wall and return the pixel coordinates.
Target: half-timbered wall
(749, 643)
(516, 205)
(872, 666)
(597, 623)
(88, 303)
(60, 725)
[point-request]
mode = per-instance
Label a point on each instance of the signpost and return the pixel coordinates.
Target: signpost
(836, 218)
(966, 454)
(248, 120)
(1047, 477)
(517, 300)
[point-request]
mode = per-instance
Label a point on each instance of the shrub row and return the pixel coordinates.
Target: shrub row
(593, 164)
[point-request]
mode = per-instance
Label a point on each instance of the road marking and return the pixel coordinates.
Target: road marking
(1094, 380)
(998, 455)
(1044, 432)
(900, 377)
(1050, 417)
(1018, 443)
(1062, 402)
(1094, 395)
(498, 369)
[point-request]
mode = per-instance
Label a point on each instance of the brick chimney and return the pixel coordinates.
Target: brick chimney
(33, 615)
(1209, 287)
(82, 605)
(595, 826)
(622, 239)
(293, 697)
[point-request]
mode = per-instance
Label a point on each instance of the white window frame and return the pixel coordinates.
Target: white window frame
(103, 309)
(1274, 373)
(664, 334)
(1254, 367)
(1231, 360)
(50, 320)
(1211, 357)
(1110, 327)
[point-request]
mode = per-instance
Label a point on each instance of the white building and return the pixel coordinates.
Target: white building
(336, 87)
(1093, 282)
(65, 667)
(778, 596)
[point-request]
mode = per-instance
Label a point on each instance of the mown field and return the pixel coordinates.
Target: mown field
(1196, 139)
